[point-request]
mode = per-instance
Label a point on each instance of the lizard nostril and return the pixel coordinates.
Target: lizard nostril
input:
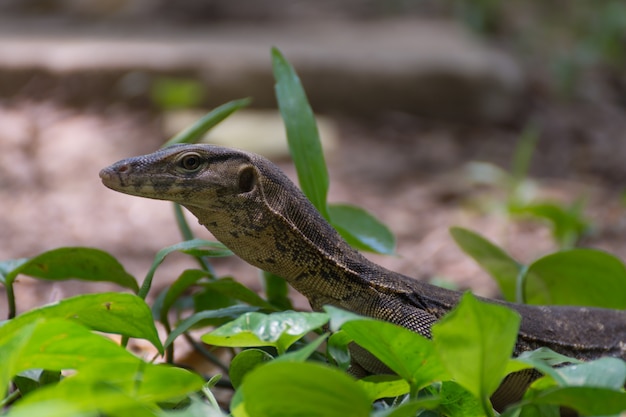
(123, 168)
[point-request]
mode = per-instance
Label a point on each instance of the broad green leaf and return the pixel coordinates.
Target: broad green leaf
(82, 399)
(361, 229)
(279, 330)
(193, 133)
(457, 401)
(189, 322)
(51, 408)
(244, 362)
(605, 372)
(590, 401)
(584, 277)
(148, 382)
(53, 343)
(302, 133)
(502, 267)
(75, 263)
(11, 346)
(476, 341)
(407, 353)
(120, 388)
(118, 313)
(303, 389)
(384, 386)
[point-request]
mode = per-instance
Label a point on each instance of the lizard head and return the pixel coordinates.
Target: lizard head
(204, 176)
(243, 199)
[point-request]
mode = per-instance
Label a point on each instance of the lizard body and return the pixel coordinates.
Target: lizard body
(256, 211)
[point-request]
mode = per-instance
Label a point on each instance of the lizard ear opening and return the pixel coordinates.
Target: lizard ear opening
(247, 179)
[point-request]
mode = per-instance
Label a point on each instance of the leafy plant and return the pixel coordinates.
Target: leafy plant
(567, 221)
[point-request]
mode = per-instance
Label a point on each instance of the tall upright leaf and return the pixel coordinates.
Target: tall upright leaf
(302, 133)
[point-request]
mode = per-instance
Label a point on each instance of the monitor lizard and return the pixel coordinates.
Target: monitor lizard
(249, 205)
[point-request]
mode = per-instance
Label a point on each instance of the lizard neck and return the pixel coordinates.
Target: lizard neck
(289, 238)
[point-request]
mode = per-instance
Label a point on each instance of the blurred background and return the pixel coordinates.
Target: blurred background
(504, 117)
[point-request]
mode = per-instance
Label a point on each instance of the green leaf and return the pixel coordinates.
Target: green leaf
(193, 133)
(361, 229)
(244, 362)
(118, 313)
(118, 389)
(147, 382)
(75, 263)
(302, 133)
(11, 346)
(457, 401)
(51, 408)
(582, 277)
(384, 386)
(189, 322)
(279, 330)
(303, 389)
(591, 401)
(503, 268)
(476, 341)
(407, 353)
(604, 372)
(55, 344)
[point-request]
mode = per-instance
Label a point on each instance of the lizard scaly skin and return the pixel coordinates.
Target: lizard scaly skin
(255, 210)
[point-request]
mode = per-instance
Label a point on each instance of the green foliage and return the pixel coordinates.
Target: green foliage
(566, 221)
(279, 330)
(585, 277)
(475, 341)
(501, 266)
(58, 361)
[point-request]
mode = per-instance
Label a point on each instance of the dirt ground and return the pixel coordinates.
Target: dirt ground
(410, 173)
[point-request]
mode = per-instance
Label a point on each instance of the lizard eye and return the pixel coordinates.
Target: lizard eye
(191, 162)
